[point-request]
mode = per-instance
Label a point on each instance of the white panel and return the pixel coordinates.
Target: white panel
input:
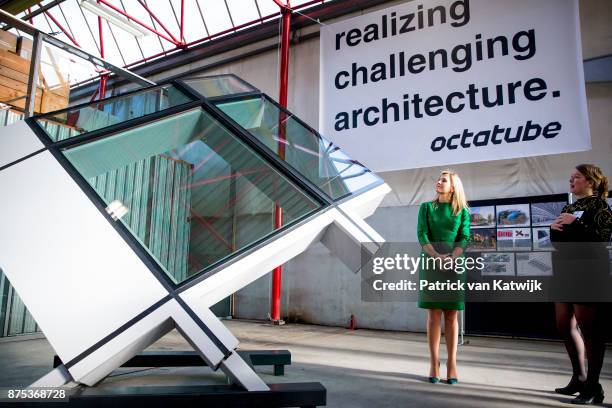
(217, 327)
(142, 334)
(196, 336)
(241, 373)
(366, 203)
(77, 276)
(358, 229)
(17, 141)
(54, 378)
(348, 242)
(113, 354)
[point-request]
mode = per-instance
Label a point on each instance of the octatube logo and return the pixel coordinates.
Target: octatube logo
(497, 135)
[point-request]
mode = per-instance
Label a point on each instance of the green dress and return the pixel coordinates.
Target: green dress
(438, 226)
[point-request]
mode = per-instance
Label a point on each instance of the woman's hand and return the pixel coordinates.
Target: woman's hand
(442, 257)
(565, 218)
(457, 252)
(557, 226)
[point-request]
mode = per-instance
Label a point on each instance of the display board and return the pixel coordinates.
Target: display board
(521, 229)
(499, 229)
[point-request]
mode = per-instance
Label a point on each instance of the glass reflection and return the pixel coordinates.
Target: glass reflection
(194, 193)
(315, 158)
(73, 122)
(222, 85)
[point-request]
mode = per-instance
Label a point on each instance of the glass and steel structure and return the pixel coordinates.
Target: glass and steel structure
(129, 217)
(192, 169)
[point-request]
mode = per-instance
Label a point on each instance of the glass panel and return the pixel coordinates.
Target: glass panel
(317, 159)
(242, 11)
(95, 116)
(218, 86)
(188, 190)
(215, 15)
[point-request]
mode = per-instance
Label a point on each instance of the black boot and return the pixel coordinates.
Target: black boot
(574, 386)
(591, 394)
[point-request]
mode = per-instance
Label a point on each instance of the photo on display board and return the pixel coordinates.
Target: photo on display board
(498, 264)
(515, 215)
(482, 217)
(534, 264)
(541, 239)
(543, 214)
(514, 239)
(482, 239)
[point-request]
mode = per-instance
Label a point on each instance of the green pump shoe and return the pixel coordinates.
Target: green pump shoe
(435, 380)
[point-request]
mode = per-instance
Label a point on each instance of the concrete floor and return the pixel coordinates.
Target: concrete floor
(361, 368)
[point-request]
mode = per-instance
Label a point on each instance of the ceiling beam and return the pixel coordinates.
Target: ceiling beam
(244, 37)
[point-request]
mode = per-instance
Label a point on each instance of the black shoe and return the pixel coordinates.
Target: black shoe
(574, 386)
(591, 394)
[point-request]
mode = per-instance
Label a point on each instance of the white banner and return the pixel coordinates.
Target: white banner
(435, 82)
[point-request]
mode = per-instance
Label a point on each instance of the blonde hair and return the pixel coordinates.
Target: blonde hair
(458, 200)
(594, 174)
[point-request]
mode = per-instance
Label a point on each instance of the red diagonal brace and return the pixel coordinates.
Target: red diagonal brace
(109, 5)
(144, 5)
(57, 23)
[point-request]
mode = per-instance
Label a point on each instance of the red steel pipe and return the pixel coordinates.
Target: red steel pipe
(129, 17)
(283, 91)
(210, 37)
(143, 4)
(104, 77)
(57, 23)
(182, 21)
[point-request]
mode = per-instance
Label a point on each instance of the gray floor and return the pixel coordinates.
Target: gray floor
(361, 368)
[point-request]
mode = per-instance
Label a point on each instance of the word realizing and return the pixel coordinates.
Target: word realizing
(461, 58)
(416, 106)
(392, 25)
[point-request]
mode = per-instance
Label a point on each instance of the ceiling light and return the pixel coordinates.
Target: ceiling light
(114, 18)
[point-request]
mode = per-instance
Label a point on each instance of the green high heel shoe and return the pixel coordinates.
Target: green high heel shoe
(451, 381)
(435, 380)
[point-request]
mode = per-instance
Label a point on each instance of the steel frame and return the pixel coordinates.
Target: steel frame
(180, 43)
(209, 105)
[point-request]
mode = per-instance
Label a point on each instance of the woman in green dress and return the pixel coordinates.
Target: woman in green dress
(443, 231)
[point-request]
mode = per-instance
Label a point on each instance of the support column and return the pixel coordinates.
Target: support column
(282, 128)
(33, 77)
